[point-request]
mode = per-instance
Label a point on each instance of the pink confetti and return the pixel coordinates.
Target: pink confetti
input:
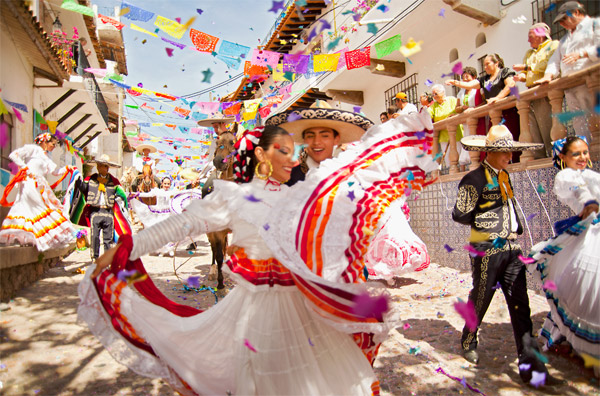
(549, 285)
(367, 306)
(249, 346)
(169, 51)
(474, 252)
(18, 115)
(4, 137)
(539, 32)
(458, 68)
(467, 311)
(526, 260)
(14, 168)
(406, 326)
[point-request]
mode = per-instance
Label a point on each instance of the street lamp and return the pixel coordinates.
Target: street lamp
(56, 26)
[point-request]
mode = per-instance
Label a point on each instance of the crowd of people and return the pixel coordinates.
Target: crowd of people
(546, 60)
(309, 230)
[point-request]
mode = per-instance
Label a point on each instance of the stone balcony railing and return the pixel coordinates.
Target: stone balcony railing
(555, 93)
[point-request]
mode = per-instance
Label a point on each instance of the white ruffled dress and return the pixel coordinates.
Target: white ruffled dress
(36, 216)
(572, 261)
(289, 327)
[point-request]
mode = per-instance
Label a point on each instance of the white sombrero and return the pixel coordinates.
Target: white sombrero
(349, 125)
(498, 138)
(104, 159)
(141, 147)
(215, 117)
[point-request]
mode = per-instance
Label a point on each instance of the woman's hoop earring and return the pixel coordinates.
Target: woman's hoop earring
(562, 164)
(261, 176)
(590, 165)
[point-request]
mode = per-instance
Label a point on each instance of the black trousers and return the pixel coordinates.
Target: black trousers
(499, 266)
(101, 220)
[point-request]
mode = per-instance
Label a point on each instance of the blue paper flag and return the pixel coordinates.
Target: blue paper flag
(136, 13)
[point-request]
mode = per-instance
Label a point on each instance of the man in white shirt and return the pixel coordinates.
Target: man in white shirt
(577, 50)
(404, 107)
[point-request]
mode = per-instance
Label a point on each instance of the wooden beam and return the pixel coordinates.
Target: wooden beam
(74, 126)
(89, 128)
(90, 139)
(352, 97)
(70, 113)
(58, 102)
(387, 68)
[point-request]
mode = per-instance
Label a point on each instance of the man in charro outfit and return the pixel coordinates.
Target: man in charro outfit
(100, 192)
(485, 202)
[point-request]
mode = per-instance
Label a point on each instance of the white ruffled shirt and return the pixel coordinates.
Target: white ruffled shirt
(218, 211)
(576, 187)
(36, 160)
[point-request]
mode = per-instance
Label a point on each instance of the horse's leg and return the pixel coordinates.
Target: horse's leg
(213, 239)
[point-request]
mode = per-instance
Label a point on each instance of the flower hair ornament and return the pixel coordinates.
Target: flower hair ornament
(244, 148)
(43, 138)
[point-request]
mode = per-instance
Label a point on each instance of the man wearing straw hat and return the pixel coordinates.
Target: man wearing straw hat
(321, 128)
(485, 202)
(101, 192)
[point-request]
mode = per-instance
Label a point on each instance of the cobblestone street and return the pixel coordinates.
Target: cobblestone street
(44, 350)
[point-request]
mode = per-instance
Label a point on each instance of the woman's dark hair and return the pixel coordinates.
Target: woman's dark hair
(383, 114)
(166, 177)
(245, 160)
(496, 59)
(470, 71)
(569, 142)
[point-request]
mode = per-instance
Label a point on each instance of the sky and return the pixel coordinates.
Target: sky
(240, 21)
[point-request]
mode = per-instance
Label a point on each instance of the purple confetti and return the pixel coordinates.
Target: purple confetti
(294, 117)
(531, 216)
(420, 134)
(442, 13)
(428, 82)
(124, 274)
(251, 198)
(498, 286)
(488, 86)
(357, 109)
(266, 227)
(448, 248)
(524, 366)
(537, 379)
(470, 56)
(199, 11)
(351, 195)
(515, 92)
(193, 281)
(310, 342)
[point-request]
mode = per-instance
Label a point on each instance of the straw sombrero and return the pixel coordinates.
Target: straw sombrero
(351, 126)
(141, 148)
(498, 138)
(104, 159)
(215, 117)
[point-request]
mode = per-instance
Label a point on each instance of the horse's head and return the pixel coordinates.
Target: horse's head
(224, 150)
(147, 172)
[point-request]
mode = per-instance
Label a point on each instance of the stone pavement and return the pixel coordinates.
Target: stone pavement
(44, 351)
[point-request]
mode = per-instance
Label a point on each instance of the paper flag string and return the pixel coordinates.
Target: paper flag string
(109, 21)
(170, 27)
(139, 29)
(233, 50)
(296, 63)
(386, 47)
(136, 13)
(410, 48)
(325, 62)
(264, 58)
(358, 58)
(202, 41)
(18, 115)
(19, 106)
(71, 5)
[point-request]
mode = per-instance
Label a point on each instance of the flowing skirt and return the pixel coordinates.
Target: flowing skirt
(396, 248)
(259, 340)
(36, 217)
(572, 261)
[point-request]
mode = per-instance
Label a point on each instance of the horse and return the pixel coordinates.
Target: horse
(147, 182)
(223, 162)
(129, 175)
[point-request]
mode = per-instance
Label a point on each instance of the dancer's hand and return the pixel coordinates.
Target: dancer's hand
(104, 261)
(588, 209)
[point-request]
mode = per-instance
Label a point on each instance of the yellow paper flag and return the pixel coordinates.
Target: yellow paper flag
(52, 126)
(139, 29)
(325, 62)
(172, 28)
(279, 75)
(2, 108)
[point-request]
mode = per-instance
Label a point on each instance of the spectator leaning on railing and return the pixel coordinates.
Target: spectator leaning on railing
(443, 107)
(533, 68)
(577, 50)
